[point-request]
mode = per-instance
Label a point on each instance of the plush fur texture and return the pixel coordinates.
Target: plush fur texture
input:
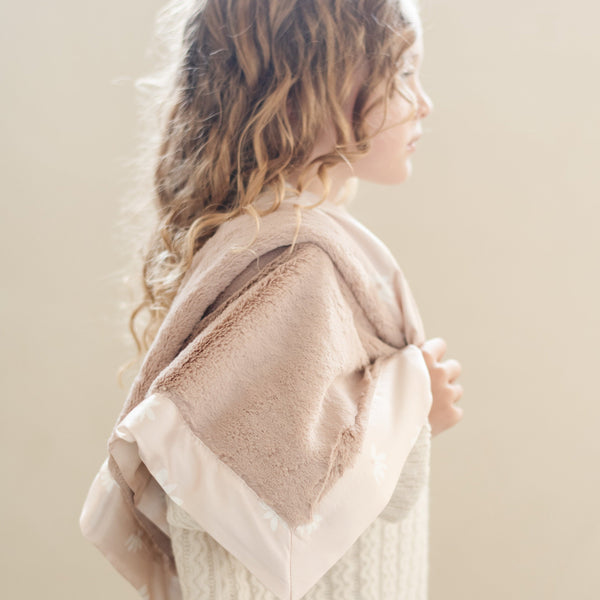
(256, 351)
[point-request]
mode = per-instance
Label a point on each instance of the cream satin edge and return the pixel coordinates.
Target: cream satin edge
(288, 562)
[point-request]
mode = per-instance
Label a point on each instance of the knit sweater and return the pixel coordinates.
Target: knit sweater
(388, 561)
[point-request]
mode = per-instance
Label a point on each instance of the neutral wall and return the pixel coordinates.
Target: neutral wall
(496, 231)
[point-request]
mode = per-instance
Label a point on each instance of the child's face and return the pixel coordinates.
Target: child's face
(389, 160)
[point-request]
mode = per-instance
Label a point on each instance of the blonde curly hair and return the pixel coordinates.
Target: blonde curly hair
(238, 100)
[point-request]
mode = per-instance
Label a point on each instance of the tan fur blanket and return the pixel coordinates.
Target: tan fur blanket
(274, 383)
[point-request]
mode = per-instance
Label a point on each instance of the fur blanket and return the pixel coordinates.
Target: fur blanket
(277, 405)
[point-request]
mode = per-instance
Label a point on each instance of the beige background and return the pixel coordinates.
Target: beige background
(497, 233)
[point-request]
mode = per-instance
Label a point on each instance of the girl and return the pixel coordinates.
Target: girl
(275, 442)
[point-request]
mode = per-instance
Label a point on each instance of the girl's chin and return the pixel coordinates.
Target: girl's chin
(400, 175)
(393, 175)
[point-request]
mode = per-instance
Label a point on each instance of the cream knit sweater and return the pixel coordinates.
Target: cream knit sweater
(389, 560)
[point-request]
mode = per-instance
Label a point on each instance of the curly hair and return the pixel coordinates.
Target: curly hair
(242, 95)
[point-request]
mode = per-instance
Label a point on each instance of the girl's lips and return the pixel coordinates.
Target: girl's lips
(412, 145)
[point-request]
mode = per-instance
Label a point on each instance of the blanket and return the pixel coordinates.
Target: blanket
(279, 417)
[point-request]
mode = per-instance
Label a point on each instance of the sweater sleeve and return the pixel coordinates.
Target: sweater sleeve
(413, 480)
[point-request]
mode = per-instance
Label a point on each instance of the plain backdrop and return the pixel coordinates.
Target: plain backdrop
(496, 232)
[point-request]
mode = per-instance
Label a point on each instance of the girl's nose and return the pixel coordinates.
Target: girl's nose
(425, 105)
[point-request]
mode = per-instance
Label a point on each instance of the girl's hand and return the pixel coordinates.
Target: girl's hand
(443, 413)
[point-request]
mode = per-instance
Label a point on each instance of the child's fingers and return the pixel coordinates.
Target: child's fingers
(459, 413)
(458, 391)
(452, 368)
(433, 350)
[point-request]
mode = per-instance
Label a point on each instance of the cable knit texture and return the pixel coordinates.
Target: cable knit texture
(389, 561)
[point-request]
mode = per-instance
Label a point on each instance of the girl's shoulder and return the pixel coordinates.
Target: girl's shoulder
(294, 260)
(306, 269)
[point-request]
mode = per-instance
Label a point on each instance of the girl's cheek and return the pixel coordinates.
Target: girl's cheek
(398, 113)
(401, 106)
(375, 120)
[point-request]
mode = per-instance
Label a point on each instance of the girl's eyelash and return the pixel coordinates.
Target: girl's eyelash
(408, 73)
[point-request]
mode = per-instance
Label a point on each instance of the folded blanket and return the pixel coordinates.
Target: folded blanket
(279, 418)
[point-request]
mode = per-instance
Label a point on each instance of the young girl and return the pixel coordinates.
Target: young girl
(275, 442)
